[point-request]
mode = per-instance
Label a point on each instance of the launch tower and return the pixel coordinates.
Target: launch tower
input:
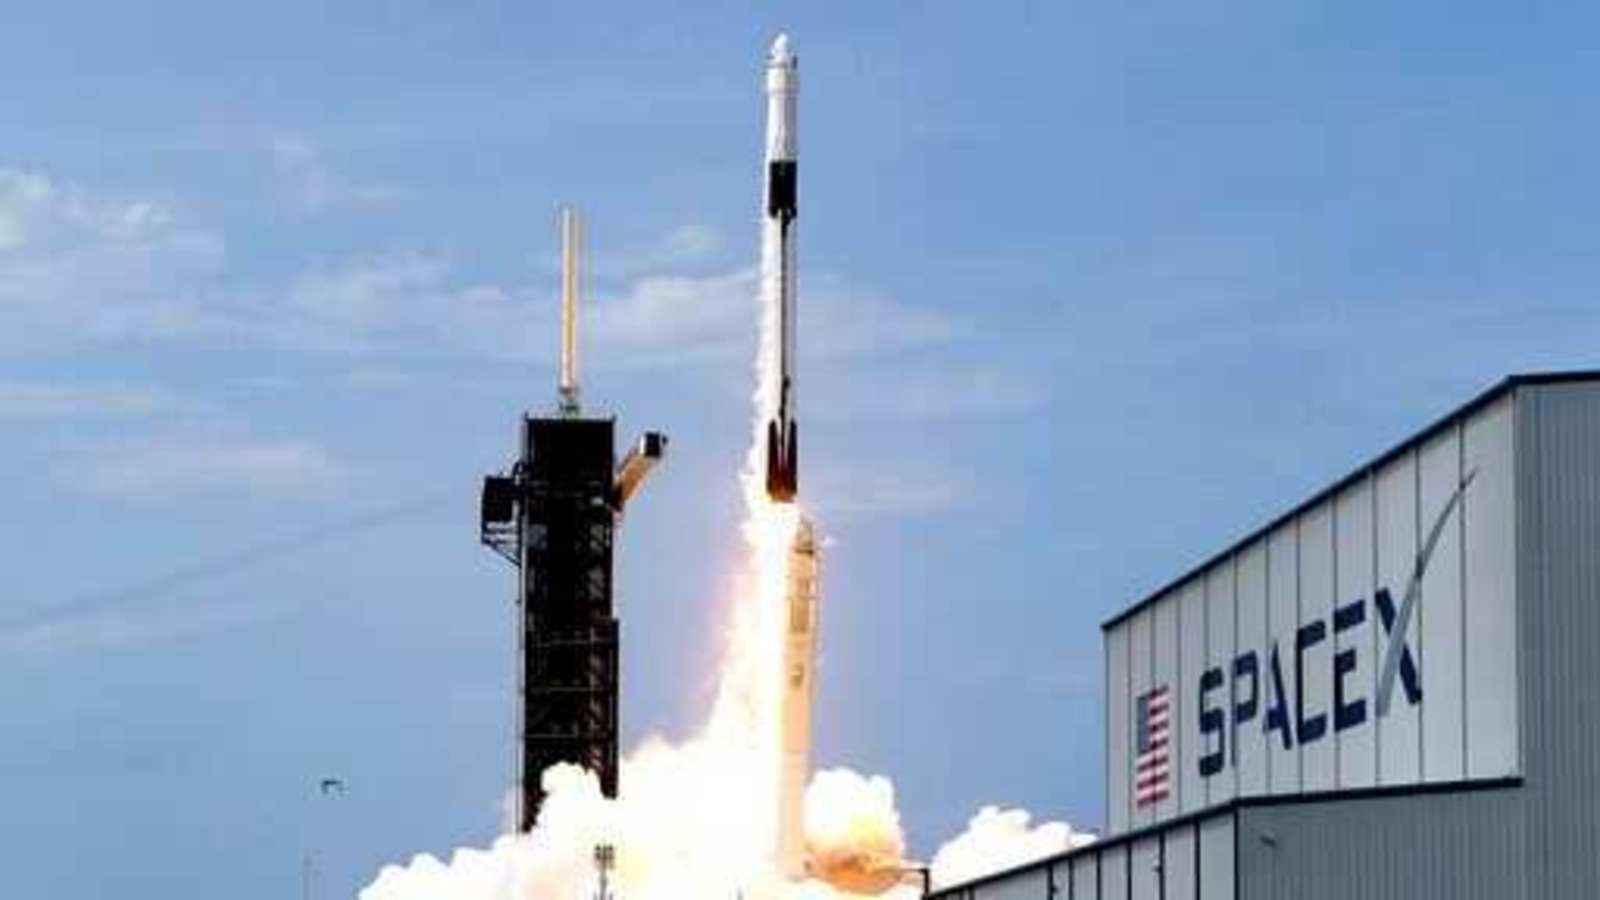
(554, 517)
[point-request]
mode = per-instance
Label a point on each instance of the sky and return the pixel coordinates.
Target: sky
(1088, 290)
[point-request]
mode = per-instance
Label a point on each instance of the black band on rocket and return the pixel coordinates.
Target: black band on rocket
(782, 188)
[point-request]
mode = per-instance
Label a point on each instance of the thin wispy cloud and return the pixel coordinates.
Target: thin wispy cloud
(80, 266)
(158, 618)
(684, 246)
(184, 464)
(171, 603)
(42, 401)
(311, 185)
(413, 302)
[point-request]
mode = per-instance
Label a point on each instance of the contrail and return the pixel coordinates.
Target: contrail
(255, 556)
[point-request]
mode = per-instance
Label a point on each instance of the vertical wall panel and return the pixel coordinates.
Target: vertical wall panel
(1558, 534)
(1358, 759)
(1144, 870)
(1086, 877)
(1283, 616)
(1141, 669)
(1400, 733)
(1316, 664)
(1178, 864)
(1061, 878)
(1114, 873)
(1029, 884)
(1192, 638)
(1488, 524)
(1118, 729)
(1217, 859)
(1453, 845)
(1166, 673)
(1439, 608)
(1219, 652)
(1249, 747)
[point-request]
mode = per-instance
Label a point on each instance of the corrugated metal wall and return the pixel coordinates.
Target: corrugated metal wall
(1559, 531)
(1460, 846)
(1191, 860)
(1422, 844)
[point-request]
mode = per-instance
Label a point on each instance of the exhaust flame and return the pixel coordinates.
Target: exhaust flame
(698, 819)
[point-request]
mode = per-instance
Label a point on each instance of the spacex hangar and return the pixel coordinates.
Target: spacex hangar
(1390, 691)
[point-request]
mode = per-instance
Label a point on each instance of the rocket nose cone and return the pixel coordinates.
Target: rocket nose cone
(782, 51)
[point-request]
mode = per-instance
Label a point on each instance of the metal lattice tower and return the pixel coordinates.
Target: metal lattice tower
(554, 517)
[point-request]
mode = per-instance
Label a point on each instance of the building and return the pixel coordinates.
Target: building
(1390, 691)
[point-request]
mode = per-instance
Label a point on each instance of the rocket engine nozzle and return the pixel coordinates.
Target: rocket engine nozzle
(783, 458)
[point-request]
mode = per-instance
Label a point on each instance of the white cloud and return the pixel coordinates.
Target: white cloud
(312, 186)
(184, 464)
(675, 318)
(80, 267)
(684, 245)
(405, 302)
(838, 318)
(414, 302)
(681, 318)
(39, 401)
(997, 839)
(77, 266)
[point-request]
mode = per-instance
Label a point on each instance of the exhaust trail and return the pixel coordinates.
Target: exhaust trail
(128, 599)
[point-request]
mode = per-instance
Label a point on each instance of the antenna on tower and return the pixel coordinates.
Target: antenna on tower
(571, 253)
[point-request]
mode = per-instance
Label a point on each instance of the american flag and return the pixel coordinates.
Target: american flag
(1152, 732)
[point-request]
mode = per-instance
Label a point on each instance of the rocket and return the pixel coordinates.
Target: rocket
(778, 260)
(782, 454)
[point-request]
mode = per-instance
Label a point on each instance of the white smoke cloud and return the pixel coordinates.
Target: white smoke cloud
(676, 838)
(852, 819)
(998, 839)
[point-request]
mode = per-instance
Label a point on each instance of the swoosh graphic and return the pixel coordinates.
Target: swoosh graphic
(1402, 619)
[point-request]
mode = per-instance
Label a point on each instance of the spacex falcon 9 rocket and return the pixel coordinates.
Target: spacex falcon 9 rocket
(777, 260)
(782, 448)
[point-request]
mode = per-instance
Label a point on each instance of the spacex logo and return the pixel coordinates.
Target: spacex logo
(1289, 718)
(1251, 691)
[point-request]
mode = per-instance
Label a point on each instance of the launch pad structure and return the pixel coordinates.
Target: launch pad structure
(554, 517)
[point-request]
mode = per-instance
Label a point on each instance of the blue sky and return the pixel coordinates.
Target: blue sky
(1088, 290)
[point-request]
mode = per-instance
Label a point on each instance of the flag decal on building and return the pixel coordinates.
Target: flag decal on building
(1152, 772)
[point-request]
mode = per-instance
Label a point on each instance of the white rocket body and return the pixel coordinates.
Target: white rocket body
(780, 207)
(778, 262)
(799, 688)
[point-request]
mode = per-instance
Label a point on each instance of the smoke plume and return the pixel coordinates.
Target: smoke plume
(698, 818)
